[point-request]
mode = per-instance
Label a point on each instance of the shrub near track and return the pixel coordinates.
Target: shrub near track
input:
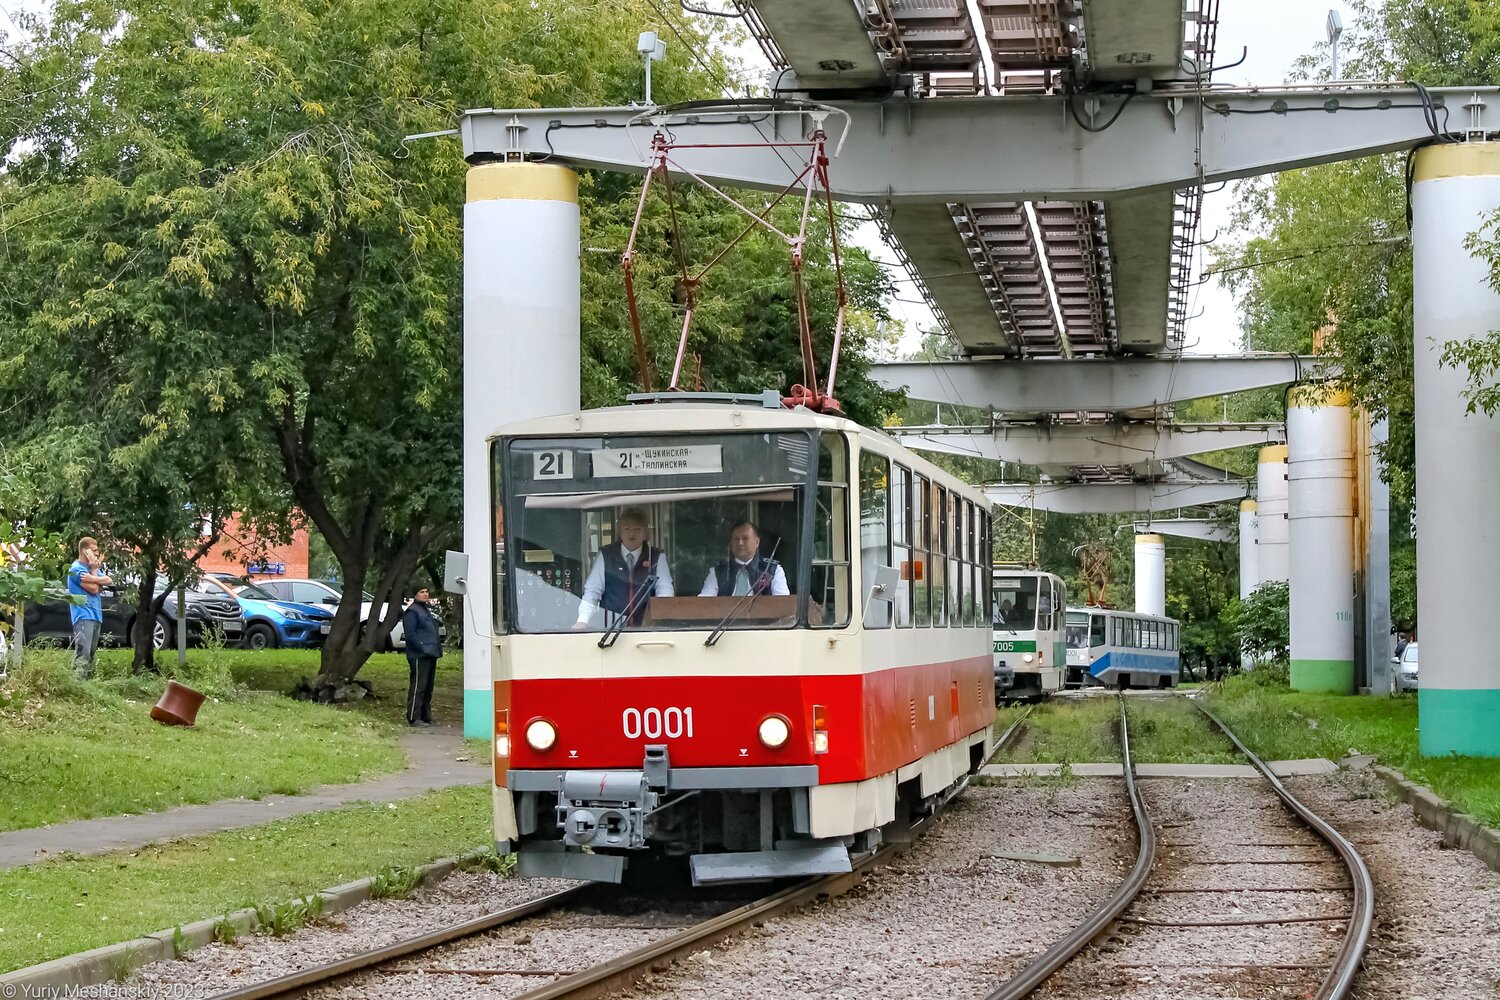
(1278, 723)
(71, 750)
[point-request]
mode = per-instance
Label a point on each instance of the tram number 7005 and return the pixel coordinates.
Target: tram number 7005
(654, 723)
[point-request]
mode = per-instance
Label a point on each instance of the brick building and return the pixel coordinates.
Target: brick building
(240, 552)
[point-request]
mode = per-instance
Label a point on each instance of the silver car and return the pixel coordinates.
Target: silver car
(1406, 669)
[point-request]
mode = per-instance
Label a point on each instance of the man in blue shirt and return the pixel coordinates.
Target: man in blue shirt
(85, 579)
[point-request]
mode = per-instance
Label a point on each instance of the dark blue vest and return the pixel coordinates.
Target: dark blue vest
(623, 584)
(760, 570)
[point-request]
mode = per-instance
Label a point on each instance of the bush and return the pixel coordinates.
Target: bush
(1262, 622)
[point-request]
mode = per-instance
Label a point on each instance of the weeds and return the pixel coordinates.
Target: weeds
(395, 882)
(225, 931)
(281, 919)
(179, 942)
(488, 861)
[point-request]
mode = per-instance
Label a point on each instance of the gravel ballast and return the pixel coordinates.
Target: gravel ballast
(952, 919)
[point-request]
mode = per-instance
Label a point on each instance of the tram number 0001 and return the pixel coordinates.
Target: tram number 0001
(654, 723)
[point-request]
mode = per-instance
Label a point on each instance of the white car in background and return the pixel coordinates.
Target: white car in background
(1406, 669)
(327, 593)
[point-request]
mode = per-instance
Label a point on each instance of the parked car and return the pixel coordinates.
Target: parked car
(52, 620)
(206, 608)
(330, 594)
(1406, 669)
(270, 623)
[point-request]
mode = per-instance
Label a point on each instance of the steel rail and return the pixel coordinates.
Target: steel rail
(1048, 962)
(622, 972)
(1340, 979)
(608, 977)
(323, 974)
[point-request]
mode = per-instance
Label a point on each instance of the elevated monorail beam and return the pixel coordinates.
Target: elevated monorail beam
(1203, 528)
(1120, 443)
(1046, 385)
(965, 149)
(1114, 498)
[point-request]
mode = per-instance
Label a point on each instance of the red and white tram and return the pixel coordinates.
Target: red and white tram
(837, 680)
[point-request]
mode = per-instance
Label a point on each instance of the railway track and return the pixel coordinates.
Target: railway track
(1338, 973)
(610, 976)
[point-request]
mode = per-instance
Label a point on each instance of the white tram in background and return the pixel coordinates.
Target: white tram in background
(1027, 621)
(768, 730)
(1122, 649)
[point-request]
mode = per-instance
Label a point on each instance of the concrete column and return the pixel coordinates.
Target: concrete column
(1373, 553)
(1249, 565)
(1458, 455)
(1150, 575)
(1272, 530)
(1320, 470)
(521, 360)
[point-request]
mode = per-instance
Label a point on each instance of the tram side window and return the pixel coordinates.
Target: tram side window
(1097, 625)
(971, 556)
(874, 533)
(921, 517)
(497, 543)
(902, 554)
(986, 558)
(830, 586)
(937, 542)
(955, 559)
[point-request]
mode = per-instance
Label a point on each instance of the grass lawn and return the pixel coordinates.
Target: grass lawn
(1276, 722)
(71, 750)
(70, 905)
(1081, 731)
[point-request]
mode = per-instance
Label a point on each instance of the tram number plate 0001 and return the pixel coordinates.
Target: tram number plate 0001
(654, 723)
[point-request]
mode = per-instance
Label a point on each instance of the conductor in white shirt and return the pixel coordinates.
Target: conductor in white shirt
(621, 573)
(746, 571)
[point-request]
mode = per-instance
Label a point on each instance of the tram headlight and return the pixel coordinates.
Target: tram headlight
(541, 735)
(774, 731)
(1027, 658)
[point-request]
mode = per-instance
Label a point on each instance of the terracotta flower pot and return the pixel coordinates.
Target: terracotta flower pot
(178, 706)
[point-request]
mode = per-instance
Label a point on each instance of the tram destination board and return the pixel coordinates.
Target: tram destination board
(670, 460)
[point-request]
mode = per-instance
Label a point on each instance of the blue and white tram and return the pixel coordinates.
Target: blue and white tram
(1121, 649)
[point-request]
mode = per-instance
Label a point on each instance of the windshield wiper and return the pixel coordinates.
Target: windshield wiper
(742, 606)
(648, 587)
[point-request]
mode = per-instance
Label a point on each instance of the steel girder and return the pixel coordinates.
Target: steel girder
(1094, 385)
(1114, 498)
(995, 149)
(1202, 528)
(1126, 443)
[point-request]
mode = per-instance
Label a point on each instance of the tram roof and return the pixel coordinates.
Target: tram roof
(746, 414)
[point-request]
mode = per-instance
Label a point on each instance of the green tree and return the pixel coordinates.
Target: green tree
(1262, 622)
(226, 185)
(1331, 244)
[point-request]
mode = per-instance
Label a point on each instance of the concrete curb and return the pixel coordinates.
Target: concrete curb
(1458, 829)
(113, 962)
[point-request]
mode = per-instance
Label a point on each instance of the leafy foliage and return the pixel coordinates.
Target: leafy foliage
(232, 285)
(1329, 246)
(1262, 622)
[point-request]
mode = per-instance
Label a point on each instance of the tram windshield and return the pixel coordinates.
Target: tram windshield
(1078, 630)
(1015, 602)
(682, 531)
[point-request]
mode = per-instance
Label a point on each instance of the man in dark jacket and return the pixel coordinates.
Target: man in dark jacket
(621, 572)
(747, 571)
(423, 647)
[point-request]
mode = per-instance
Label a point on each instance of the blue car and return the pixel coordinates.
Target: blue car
(270, 623)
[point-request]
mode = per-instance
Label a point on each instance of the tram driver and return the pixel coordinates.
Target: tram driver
(746, 571)
(621, 574)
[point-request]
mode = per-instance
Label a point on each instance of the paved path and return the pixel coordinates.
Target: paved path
(433, 761)
(1281, 768)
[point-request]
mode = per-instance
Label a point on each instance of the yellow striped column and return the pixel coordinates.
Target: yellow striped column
(1458, 455)
(521, 360)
